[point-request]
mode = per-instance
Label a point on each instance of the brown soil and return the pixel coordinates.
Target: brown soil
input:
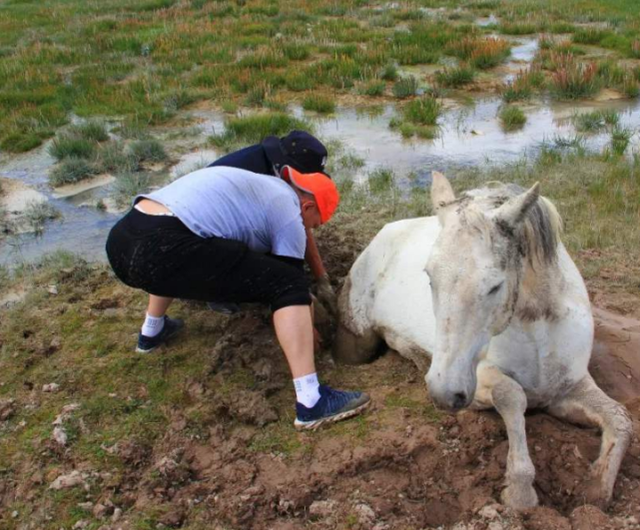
(401, 466)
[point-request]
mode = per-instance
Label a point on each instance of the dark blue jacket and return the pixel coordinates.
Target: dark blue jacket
(252, 158)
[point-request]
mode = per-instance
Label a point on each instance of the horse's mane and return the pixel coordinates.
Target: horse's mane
(542, 226)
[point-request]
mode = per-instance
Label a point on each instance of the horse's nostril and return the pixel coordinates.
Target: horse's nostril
(459, 400)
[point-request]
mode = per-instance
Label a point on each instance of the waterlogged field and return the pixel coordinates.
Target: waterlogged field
(101, 101)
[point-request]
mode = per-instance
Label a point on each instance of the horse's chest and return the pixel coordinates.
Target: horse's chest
(537, 362)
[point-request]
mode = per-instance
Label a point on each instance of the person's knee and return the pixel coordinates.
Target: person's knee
(297, 293)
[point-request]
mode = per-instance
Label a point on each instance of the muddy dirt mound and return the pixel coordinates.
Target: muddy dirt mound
(615, 361)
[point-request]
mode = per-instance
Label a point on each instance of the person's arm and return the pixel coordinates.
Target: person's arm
(326, 294)
(312, 257)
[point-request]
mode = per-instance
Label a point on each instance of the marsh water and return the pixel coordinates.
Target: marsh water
(470, 134)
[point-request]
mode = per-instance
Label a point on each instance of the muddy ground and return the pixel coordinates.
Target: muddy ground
(402, 466)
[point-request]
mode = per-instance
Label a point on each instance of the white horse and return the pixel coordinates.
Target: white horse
(488, 291)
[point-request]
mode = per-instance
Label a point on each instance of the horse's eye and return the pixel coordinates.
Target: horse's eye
(495, 289)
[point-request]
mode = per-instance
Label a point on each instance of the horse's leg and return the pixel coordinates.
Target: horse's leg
(587, 404)
(500, 391)
(352, 348)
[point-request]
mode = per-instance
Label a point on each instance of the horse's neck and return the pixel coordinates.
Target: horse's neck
(541, 290)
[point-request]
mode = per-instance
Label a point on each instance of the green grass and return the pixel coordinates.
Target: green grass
(595, 121)
(372, 88)
(620, 138)
(422, 111)
(93, 131)
(455, 77)
(130, 60)
(405, 87)
(253, 129)
(148, 151)
(482, 53)
(523, 86)
(319, 103)
(512, 118)
(71, 146)
(70, 171)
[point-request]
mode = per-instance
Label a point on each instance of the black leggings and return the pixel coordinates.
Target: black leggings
(160, 255)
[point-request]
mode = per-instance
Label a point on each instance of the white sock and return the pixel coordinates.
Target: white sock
(307, 389)
(152, 326)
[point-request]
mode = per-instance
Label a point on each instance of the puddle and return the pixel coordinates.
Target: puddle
(524, 50)
(469, 136)
(491, 20)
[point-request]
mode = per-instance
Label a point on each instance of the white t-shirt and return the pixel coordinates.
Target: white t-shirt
(262, 211)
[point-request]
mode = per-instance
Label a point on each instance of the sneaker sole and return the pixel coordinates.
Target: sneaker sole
(315, 424)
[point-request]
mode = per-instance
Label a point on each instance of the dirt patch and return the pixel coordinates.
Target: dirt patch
(228, 456)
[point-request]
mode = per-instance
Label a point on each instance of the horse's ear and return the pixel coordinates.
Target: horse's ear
(515, 210)
(441, 194)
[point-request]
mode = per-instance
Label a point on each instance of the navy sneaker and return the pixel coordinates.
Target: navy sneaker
(333, 405)
(228, 308)
(148, 344)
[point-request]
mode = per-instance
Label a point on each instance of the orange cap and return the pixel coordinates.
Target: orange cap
(320, 186)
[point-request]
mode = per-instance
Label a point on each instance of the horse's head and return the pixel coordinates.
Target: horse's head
(475, 270)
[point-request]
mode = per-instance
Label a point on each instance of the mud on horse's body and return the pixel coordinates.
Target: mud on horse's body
(488, 290)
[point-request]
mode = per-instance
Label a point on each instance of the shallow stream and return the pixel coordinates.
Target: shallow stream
(470, 135)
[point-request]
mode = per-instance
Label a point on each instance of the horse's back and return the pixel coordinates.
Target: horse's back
(388, 289)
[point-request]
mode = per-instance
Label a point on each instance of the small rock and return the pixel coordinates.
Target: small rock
(82, 523)
(53, 289)
(15, 514)
(85, 505)
(60, 435)
(476, 132)
(488, 512)
(365, 514)
(99, 511)
(495, 525)
(51, 387)
(322, 508)
(380, 526)
(67, 481)
(117, 513)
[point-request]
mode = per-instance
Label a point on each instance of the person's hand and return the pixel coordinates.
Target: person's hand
(326, 294)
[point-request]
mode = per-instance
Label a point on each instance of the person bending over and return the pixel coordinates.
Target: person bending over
(233, 236)
(306, 154)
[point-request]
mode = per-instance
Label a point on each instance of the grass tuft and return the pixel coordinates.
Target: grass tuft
(70, 171)
(319, 103)
(512, 118)
(523, 85)
(405, 87)
(620, 138)
(422, 111)
(455, 77)
(148, 151)
(595, 121)
(93, 131)
(480, 52)
(255, 128)
(70, 146)
(573, 79)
